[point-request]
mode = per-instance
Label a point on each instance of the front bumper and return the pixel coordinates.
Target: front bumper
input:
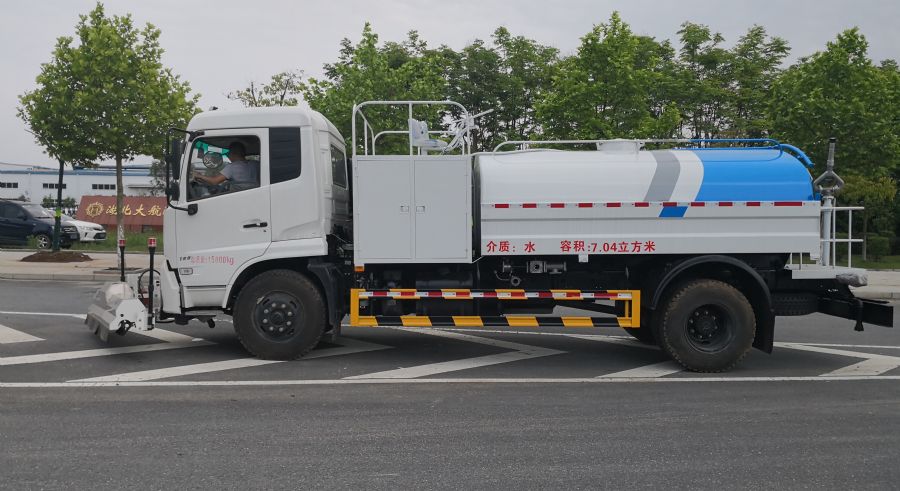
(92, 235)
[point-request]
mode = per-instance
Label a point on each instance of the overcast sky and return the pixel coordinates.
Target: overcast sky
(251, 40)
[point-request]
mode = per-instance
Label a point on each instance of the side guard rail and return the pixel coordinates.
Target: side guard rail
(630, 301)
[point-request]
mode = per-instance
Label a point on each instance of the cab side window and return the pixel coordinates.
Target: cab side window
(221, 165)
(338, 167)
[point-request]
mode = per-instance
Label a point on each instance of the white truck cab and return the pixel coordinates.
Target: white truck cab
(217, 231)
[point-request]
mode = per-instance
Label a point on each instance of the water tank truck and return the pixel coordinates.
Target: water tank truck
(694, 245)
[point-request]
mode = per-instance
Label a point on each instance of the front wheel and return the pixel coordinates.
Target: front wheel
(43, 241)
(279, 315)
(706, 326)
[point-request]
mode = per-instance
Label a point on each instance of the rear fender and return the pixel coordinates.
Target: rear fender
(754, 288)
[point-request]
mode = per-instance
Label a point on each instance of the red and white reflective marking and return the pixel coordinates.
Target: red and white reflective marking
(498, 294)
(648, 204)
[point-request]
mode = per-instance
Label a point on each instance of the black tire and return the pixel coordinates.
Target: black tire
(706, 326)
(795, 303)
(43, 241)
(279, 315)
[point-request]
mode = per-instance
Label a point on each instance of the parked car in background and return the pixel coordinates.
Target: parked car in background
(18, 221)
(85, 231)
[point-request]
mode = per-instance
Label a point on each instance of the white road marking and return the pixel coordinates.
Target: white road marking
(648, 371)
(521, 352)
(90, 353)
(52, 314)
(9, 335)
(403, 381)
(873, 364)
(349, 346)
(622, 341)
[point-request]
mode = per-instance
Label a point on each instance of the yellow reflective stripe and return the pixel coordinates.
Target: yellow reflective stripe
(522, 321)
(468, 321)
(577, 322)
(415, 321)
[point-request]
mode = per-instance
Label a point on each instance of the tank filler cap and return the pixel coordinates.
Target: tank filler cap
(620, 146)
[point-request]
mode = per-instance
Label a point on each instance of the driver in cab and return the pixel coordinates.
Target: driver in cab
(241, 173)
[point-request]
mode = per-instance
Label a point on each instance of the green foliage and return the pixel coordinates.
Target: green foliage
(839, 92)
(878, 246)
(49, 202)
(607, 89)
(108, 96)
(282, 90)
(369, 71)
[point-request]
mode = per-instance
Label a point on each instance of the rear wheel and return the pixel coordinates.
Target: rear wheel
(279, 315)
(706, 326)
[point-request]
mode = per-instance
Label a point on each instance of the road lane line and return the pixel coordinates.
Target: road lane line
(90, 353)
(521, 352)
(404, 381)
(622, 341)
(57, 314)
(9, 335)
(348, 346)
(874, 364)
(648, 371)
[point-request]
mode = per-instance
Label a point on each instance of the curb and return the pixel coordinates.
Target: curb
(878, 295)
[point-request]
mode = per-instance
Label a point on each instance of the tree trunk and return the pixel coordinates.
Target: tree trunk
(57, 216)
(120, 217)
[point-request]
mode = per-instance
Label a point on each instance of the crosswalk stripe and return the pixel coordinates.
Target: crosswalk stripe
(521, 352)
(647, 371)
(348, 346)
(874, 364)
(9, 335)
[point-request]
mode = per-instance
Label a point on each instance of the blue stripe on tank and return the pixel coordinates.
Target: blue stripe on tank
(752, 175)
(672, 212)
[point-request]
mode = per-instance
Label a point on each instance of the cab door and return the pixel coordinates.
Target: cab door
(226, 225)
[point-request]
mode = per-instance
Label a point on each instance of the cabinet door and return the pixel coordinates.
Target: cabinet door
(384, 209)
(442, 210)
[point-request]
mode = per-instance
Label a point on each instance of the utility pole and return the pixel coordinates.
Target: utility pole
(57, 218)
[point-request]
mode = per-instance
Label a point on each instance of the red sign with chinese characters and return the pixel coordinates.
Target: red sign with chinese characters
(139, 212)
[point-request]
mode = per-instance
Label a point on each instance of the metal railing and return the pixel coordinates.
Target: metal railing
(829, 239)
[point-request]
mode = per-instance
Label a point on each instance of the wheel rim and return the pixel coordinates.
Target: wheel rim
(278, 316)
(710, 328)
(43, 242)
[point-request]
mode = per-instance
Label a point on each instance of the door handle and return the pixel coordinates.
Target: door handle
(404, 209)
(420, 209)
(256, 225)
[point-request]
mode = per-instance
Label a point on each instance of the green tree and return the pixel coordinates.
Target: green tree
(877, 195)
(609, 88)
(839, 92)
(755, 63)
(704, 77)
(365, 71)
(282, 90)
(117, 96)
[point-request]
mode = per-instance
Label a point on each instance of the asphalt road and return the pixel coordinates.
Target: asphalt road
(390, 408)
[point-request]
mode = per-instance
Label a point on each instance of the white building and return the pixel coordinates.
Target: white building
(35, 182)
